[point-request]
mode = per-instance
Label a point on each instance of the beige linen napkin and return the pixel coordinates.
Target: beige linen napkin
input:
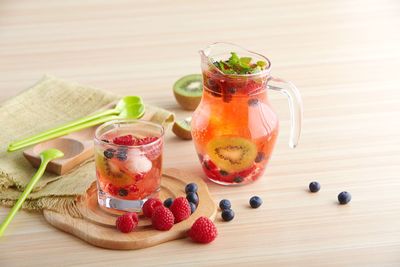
(48, 104)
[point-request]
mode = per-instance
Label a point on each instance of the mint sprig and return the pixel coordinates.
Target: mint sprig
(240, 65)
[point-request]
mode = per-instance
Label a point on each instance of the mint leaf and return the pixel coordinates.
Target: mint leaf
(239, 65)
(245, 61)
(261, 64)
(234, 59)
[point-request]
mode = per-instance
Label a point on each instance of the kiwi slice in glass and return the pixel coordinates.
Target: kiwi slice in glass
(188, 91)
(231, 153)
(182, 129)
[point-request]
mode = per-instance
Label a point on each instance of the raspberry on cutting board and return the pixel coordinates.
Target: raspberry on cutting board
(150, 205)
(181, 209)
(162, 218)
(127, 223)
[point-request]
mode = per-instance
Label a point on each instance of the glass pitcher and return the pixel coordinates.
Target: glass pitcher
(234, 128)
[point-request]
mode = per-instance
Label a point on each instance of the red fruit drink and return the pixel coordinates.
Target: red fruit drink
(234, 128)
(128, 156)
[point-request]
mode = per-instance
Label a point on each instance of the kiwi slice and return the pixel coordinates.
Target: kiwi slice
(182, 129)
(113, 170)
(188, 91)
(232, 154)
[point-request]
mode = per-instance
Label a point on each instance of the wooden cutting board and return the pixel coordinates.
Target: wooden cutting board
(97, 227)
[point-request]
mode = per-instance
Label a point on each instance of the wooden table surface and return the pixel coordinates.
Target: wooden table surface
(343, 55)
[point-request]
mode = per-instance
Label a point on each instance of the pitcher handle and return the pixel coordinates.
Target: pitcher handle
(295, 106)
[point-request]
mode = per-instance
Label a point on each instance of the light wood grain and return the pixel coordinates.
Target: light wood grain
(97, 227)
(343, 55)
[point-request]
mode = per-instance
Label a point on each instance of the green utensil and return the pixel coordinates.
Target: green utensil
(127, 107)
(46, 156)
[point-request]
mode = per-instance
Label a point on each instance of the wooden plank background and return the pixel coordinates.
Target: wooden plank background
(343, 55)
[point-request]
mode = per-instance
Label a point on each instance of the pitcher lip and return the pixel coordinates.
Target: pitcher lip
(206, 53)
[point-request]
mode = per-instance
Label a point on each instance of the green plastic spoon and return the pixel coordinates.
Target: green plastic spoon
(46, 156)
(127, 107)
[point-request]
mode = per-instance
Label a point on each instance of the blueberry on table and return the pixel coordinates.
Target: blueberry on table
(192, 207)
(228, 215)
(344, 197)
(255, 202)
(314, 187)
(168, 202)
(192, 187)
(225, 204)
(193, 198)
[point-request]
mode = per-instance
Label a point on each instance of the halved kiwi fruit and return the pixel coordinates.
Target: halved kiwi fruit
(182, 129)
(232, 154)
(188, 91)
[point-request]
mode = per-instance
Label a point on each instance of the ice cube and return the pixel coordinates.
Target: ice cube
(137, 162)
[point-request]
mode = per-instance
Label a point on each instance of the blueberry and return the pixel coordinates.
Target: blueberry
(225, 204)
(255, 202)
(168, 202)
(192, 207)
(252, 102)
(314, 187)
(232, 90)
(260, 157)
(122, 155)
(192, 197)
(344, 197)
(212, 85)
(238, 179)
(109, 153)
(223, 173)
(192, 187)
(227, 215)
(123, 192)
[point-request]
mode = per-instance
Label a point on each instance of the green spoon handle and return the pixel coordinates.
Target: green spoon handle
(107, 112)
(63, 132)
(23, 196)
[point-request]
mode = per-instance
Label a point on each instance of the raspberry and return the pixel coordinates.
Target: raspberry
(139, 176)
(152, 151)
(203, 230)
(145, 141)
(162, 218)
(127, 223)
(181, 209)
(150, 205)
(111, 189)
(125, 140)
(134, 216)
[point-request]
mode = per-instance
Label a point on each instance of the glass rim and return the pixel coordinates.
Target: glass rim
(116, 121)
(207, 50)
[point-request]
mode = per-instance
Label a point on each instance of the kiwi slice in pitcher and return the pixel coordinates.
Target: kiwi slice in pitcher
(232, 154)
(182, 129)
(188, 91)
